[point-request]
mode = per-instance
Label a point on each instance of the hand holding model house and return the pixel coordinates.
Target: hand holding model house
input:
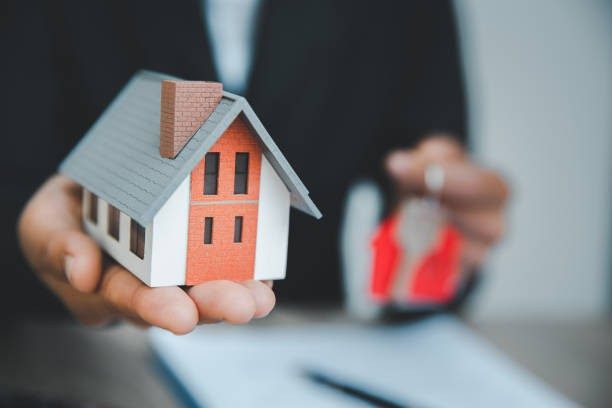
(181, 184)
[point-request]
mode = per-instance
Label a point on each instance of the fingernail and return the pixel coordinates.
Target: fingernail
(68, 262)
(398, 163)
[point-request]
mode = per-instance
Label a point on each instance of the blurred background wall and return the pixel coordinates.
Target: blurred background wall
(540, 86)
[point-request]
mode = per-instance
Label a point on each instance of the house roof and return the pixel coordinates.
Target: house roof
(118, 159)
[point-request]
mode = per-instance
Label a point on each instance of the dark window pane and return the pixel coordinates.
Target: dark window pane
(137, 239)
(92, 211)
(211, 173)
(242, 162)
(240, 184)
(211, 163)
(133, 236)
(241, 173)
(208, 226)
(141, 241)
(238, 229)
(113, 222)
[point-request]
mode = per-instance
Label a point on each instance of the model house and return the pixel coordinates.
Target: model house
(182, 184)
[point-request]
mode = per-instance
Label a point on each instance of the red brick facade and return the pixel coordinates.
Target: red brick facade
(224, 258)
(185, 105)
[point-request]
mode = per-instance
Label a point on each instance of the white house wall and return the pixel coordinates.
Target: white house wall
(170, 225)
(272, 225)
(119, 250)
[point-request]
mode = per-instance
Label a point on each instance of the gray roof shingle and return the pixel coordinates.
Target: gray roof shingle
(118, 159)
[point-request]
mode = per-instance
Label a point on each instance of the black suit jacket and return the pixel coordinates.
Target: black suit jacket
(338, 83)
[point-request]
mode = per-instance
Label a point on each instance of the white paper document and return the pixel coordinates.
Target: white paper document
(438, 362)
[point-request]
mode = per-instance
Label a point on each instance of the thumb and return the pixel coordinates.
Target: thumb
(75, 257)
(407, 169)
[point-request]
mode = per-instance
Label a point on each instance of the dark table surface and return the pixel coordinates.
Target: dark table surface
(115, 366)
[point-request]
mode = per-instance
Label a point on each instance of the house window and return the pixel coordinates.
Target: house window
(137, 239)
(241, 173)
(92, 209)
(208, 230)
(238, 228)
(211, 173)
(113, 222)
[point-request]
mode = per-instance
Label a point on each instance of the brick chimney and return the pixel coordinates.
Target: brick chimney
(185, 105)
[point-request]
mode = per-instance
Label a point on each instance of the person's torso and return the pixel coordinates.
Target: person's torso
(336, 83)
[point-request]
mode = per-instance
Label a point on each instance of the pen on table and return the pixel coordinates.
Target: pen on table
(376, 400)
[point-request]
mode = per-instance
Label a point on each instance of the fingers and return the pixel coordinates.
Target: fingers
(232, 302)
(263, 296)
(167, 307)
(441, 148)
(484, 226)
(473, 254)
(74, 256)
(223, 300)
(465, 184)
(482, 229)
(50, 234)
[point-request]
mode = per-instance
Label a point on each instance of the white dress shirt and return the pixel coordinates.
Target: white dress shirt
(231, 29)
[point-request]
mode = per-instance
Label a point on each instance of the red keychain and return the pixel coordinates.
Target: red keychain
(416, 256)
